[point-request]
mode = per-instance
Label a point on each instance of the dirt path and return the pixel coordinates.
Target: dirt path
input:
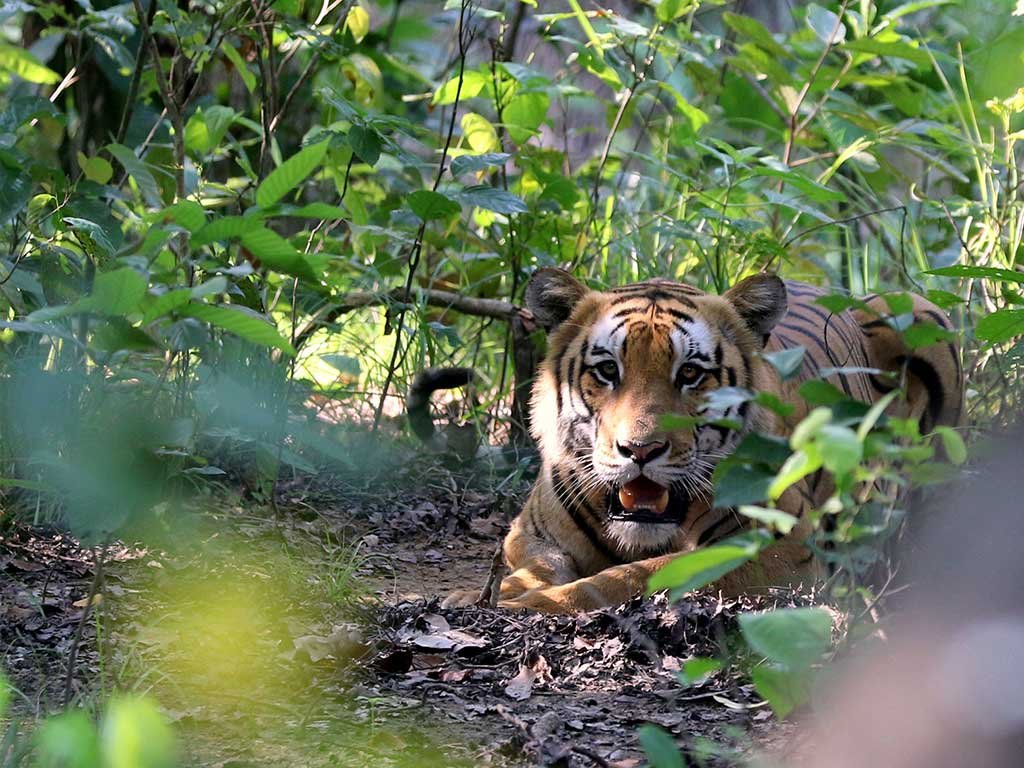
(316, 638)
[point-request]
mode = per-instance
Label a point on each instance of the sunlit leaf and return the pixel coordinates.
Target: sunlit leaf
(240, 321)
(290, 174)
(794, 637)
(430, 206)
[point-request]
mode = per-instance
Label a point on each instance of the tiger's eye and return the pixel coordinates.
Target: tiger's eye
(608, 369)
(689, 374)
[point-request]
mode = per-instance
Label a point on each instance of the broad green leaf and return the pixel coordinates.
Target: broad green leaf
(807, 429)
(430, 205)
(95, 168)
(135, 735)
(786, 361)
(276, 253)
(115, 293)
(226, 228)
(524, 114)
(670, 10)
(697, 670)
(471, 163)
(774, 519)
(839, 448)
(797, 467)
(492, 199)
(1001, 325)
(156, 307)
(357, 22)
(698, 569)
(206, 128)
(240, 321)
(365, 143)
(91, 235)
(945, 299)
(290, 174)
(839, 304)
(991, 273)
(921, 335)
(660, 747)
(826, 24)
(473, 82)
(68, 740)
(782, 688)
(116, 334)
(479, 133)
(818, 392)
(889, 48)
(793, 637)
(241, 67)
(188, 214)
(318, 211)
(757, 33)
(139, 172)
(20, 62)
(737, 484)
(15, 191)
(953, 444)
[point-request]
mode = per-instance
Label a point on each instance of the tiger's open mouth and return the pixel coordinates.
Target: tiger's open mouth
(644, 501)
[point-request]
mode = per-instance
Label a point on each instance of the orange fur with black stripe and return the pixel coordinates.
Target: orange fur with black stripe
(619, 360)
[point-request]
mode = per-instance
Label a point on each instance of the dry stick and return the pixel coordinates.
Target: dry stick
(417, 246)
(492, 589)
(469, 305)
(97, 579)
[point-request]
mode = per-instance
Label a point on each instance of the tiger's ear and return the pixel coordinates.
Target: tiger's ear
(760, 300)
(551, 296)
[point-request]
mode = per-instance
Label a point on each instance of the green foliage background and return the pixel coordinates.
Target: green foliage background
(230, 229)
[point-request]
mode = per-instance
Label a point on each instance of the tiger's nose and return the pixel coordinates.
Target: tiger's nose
(641, 453)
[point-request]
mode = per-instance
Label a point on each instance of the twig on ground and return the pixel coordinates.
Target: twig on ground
(492, 589)
(94, 587)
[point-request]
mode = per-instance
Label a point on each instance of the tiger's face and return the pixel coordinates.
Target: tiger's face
(621, 361)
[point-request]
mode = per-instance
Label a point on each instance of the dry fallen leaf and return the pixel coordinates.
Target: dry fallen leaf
(520, 687)
(345, 642)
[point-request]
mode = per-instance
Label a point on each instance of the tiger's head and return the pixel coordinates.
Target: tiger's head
(620, 360)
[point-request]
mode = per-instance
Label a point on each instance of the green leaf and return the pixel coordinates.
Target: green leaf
(357, 22)
(492, 199)
(818, 392)
(826, 25)
(276, 253)
(188, 214)
(429, 205)
(290, 174)
(365, 142)
(134, 733)
(839, 448)
(793, 637)
(990, 273)
(116, 334)
(837, 304)
(342, 363)
(921, 335)
(226, 228)
(523, 115)
(659, 746)
(206, 128)
(896, 49)
(90, 235)
(240, 321)
(479, 133)
(783, 689)
(737, 484)
(797, 466)
(1002, 325)
(670, 10)
(472, 163)
(68, 740)
(807, 429)
(139, 172)
(774, 519)
(162, 305)
(20, 62)
(15, 191)
(115, 293)
(473, 82)
(318, 211)
(241, 67)
(95, 168)
(5, 694)
(698, 669)
(698, 569)
(786, 361)
(953, 444)
(944, 299)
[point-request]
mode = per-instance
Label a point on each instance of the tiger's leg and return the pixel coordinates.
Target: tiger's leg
(535, 562)
(611, 586)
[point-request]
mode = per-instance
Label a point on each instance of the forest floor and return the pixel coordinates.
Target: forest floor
(313, 636)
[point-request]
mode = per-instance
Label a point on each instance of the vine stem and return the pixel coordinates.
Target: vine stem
(417, 246)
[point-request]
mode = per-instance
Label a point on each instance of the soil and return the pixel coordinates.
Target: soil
(312, 634)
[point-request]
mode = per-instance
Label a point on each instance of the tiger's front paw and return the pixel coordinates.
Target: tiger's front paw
(547, 600)
(461, 598)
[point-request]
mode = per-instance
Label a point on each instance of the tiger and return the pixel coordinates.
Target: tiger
(618, 494)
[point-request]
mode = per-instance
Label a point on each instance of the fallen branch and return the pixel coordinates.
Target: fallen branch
(468, 305)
